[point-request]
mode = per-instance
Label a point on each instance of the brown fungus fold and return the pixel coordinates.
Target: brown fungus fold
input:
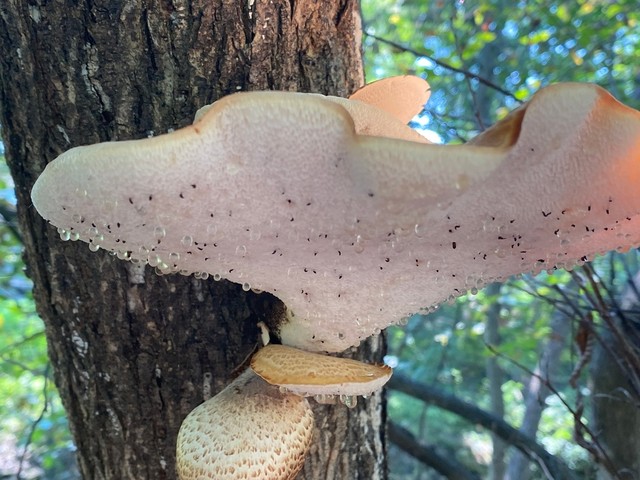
(313, 374)
(308, 198)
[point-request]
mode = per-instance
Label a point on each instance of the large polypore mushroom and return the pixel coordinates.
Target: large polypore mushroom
(279, 192)
(339, 209)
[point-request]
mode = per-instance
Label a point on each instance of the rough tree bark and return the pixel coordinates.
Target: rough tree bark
(134, 352)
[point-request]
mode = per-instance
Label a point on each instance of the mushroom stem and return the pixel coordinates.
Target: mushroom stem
(249, 430)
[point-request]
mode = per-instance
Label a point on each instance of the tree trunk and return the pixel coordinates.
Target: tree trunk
(495, 381)
(616, 402)
(536, 391)
(134, 352)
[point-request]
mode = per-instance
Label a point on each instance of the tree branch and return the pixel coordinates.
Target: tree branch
(442, 64)
(427, 454)
(8, 212)
(527, 445)
(596, 449)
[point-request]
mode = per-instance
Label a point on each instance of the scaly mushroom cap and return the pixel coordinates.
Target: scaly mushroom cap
(278, 192)
(249, 430)
(307, 374)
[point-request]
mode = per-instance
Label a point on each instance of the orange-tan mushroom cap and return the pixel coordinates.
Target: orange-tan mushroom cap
(250, 430)
(402, 97)
(381, 108)
(305, 373)
(353, 232)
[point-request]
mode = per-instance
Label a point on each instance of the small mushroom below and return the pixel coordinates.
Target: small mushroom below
(249, 430)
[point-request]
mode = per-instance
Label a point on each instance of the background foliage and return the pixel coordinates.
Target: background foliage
(34, 439)
(482, 59)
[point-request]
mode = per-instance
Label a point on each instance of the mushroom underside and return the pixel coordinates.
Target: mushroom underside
(321, 376)
(356, 232)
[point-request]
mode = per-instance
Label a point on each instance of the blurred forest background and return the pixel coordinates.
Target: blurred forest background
(535, 378)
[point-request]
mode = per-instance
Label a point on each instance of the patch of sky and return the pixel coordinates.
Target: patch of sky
(510, 29)
(514, 78)
(434, 44)
(420, 123)
(424, 62)
(602, 73)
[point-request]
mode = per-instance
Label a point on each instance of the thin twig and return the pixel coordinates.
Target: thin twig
(603, 457)
(34, 425)
(8, 212)
(21, 342)
(632, 366)
(630, 281)
(442, 64)
(21, 366)
(474, 97)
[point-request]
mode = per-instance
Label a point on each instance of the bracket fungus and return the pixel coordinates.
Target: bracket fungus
(282, 192)
(353, 220)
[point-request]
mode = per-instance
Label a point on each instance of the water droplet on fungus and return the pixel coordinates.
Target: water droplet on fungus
(186, 241)
(350, 401)
(159, 233)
